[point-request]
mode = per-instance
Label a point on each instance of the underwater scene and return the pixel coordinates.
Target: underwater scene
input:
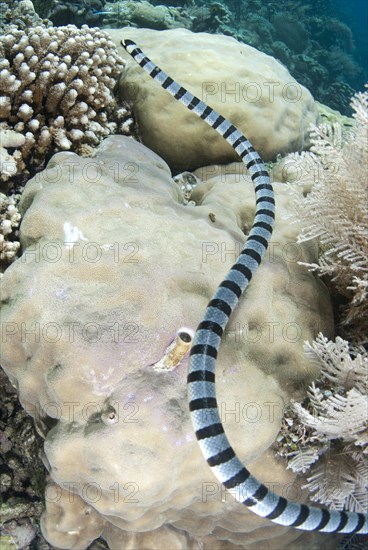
(183, 274)
(323, 43)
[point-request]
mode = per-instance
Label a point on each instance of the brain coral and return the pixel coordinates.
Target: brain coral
(55, 94)
(249, 88)
(114, 264)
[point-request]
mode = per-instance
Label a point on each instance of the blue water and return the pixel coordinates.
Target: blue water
(355, 14)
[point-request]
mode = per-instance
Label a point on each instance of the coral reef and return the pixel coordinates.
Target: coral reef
(208, 17)
(30, 131)
(309, 37)
(143, 14)
(63, 12)
(249, 88)
(331, 116)
(317, 48)
(105, 298)
(335, 212)
(114, 13)
(20, 13)
(335, 95)
(290, 31)
(333, 424)
(56, 93)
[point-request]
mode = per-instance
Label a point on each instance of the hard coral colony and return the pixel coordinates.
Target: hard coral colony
(56, 95)
(104, 316)
(201, 378)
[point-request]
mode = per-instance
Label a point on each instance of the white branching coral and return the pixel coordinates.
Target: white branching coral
(11, 161)
(332, 423)
(9, 222)
(326, 436)
(56, 91)
(336, 209)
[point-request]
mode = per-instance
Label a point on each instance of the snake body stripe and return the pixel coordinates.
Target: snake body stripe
(201, 377)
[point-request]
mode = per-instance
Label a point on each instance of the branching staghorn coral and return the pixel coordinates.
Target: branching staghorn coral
(332, 421)
(336, 211)
(56, 91)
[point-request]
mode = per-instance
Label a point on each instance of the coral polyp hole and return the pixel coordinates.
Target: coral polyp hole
(110, 417)
(185, 336)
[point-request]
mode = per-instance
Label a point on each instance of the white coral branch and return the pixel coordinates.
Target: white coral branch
(336, 210)
(337, 416)
(302, 459)
(332, 421)
(342, 364)
(339, 485)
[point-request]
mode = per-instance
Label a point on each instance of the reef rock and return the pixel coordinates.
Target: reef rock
(114, 265)
(249, 88)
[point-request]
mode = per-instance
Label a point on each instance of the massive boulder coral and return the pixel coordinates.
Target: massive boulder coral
(249, 88)
(56, 93)
(143, 14)
(114, 266)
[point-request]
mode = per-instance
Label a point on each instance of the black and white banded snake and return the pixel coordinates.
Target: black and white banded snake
(201, 377)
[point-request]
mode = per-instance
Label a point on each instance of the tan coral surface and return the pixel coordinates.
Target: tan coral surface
(114, 264)
(249, 88)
